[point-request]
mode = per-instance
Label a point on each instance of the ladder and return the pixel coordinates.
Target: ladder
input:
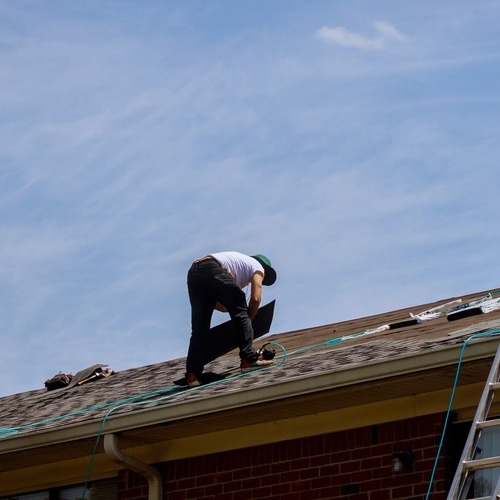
(470, 461)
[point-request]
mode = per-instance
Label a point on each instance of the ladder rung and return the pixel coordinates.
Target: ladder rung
(482, 463)
(488, 423)
(494, 386)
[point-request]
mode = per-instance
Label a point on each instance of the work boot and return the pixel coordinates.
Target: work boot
(250, 366)
(192, 380)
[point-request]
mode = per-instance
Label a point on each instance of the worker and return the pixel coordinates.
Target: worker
(215, 282)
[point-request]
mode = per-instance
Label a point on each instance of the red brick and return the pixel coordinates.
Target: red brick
(276, 468)
(195, 493)
(263, 470)
(332, 492)
(301, 485)
(249, 484)
(233, 486)
(281, 489)
(243, 495)
(262, 492)
(403, 491)
(176, 495)
(288, 477)
(215, 489)
(349, 467)
(320, 482)
(380, 495)
(320, 460)
(182, 484)
(330, 470)
(362, 476)
(300, 464)
(241, 474)
(371, 486)
(310, 494)
(371, 463)
(308, 473)
(359, 496)
(290, 496)
(269, 480)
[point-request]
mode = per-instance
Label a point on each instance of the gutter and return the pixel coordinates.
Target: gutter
(117, 455)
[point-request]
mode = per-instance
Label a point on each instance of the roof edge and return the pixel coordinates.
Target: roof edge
(481, 348)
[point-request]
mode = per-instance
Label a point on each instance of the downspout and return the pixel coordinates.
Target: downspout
(113, 451)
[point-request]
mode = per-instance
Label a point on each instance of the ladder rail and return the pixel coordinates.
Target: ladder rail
(496, 492)
(464, 471)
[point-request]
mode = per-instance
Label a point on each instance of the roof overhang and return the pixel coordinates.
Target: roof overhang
(363, 377)
(326, 402)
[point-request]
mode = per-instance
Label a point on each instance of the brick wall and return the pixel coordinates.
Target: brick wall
(354, 465)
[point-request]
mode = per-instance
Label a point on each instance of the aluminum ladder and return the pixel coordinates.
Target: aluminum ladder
(470, 461)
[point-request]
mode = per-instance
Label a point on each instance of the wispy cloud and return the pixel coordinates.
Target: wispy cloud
(385, 34)
(129, 149)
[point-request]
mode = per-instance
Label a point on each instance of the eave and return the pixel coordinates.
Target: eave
(366, 381)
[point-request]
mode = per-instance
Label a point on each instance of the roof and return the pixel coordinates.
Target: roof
(308, 353)
(362, 361)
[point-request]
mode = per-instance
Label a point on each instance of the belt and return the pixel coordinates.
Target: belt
(204, 259)
(209, 258)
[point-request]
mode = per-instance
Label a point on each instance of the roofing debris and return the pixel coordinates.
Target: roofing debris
(62, 380)
(483, 305)
(453, 310)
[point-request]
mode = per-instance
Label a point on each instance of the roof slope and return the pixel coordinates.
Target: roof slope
(356, 346)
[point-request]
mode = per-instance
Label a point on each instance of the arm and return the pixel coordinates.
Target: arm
(255, 294)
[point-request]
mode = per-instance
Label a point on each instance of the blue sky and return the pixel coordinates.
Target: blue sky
(355, 143)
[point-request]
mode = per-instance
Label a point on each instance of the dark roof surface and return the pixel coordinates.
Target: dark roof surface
(309, 353)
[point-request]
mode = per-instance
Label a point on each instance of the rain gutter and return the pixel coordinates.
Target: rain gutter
(117, 455)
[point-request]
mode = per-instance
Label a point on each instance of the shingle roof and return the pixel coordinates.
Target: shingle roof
(309, 353)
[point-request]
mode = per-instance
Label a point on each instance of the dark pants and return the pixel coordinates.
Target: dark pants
(208, 283)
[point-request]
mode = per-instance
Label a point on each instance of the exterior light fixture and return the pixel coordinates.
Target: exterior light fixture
(402, 461)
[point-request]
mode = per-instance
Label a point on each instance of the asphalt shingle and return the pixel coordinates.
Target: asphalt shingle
(309, 352)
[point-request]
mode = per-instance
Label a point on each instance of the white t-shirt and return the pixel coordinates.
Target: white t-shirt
(241, 266)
